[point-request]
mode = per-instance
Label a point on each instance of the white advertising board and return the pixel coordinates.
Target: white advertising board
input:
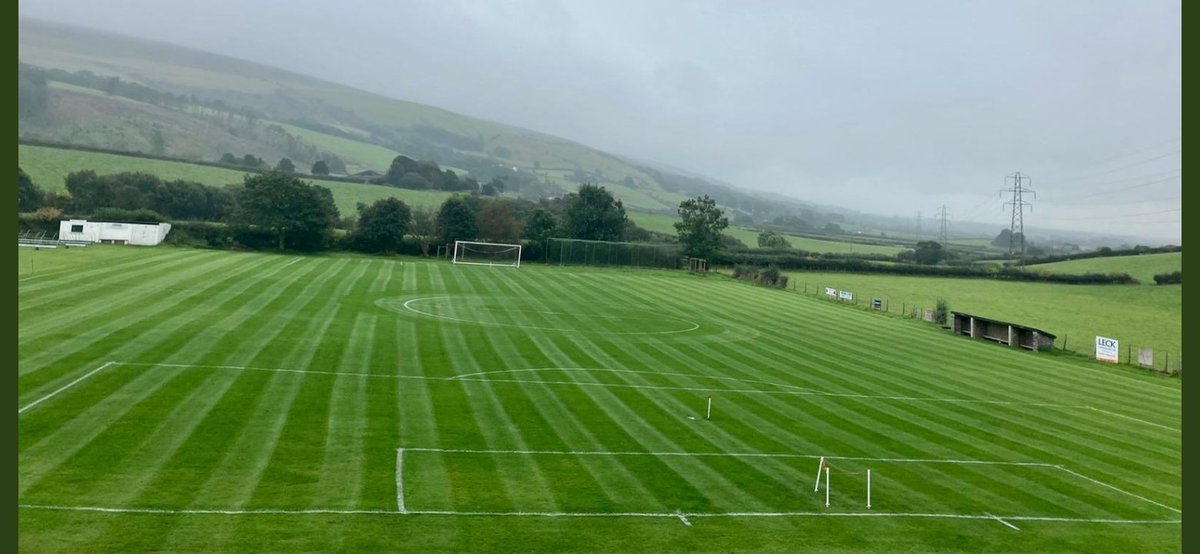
(830, 292)
(846, 295)
(1108, 350)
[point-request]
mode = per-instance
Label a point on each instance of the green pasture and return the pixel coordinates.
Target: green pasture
(1138, 316)
(663, 223)
(1142, 267)
(196, 400)
(48, 167)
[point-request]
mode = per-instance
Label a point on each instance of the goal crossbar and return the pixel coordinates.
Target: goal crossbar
(487, 253)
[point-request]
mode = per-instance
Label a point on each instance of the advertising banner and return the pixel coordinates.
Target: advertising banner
(1108, 350)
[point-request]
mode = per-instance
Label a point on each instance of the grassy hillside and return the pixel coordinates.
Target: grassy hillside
(220, 401)
(48, 167)
(1135, 315)
(99, 120)
(1143, 267)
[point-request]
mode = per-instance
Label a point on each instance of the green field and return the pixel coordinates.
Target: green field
(1138, 316)
(192, 400)
(48, 167)
(1143, 267)
(665, 224)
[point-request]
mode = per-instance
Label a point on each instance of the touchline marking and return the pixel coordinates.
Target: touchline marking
(407, 306)
(683, 518)
(400, 480)
(1002, 521)
(800, 391)
(65, 387)
(1102, 483)
(672, 515)
(1135, 419)
(292, 262)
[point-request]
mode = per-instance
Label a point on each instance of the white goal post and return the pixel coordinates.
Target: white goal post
(486, 253)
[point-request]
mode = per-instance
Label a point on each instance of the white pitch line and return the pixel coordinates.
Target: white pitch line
(1122, 491)
(724, 455)
(201, 511)
(672, 515)
(292, 262)
(683, 518)
(1014, 527)
(400, 480)
(65, 387)
(1135, 419)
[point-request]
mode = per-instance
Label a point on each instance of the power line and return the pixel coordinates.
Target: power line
(1120, 168)
(1132, 187)
(1111, 217)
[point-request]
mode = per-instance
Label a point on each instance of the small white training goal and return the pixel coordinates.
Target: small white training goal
(487, 253)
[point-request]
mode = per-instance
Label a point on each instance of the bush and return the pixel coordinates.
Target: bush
(127, 216)
(768, 276)
(941, 314)
(1172, 278)
(203, 234)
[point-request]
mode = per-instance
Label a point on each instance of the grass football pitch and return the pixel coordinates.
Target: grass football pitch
(190, 400)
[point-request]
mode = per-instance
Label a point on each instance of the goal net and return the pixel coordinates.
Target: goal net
(487, 253)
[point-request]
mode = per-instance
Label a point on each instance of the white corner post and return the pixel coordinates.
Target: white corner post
(868, 489)
(826, 486)
(817, 485)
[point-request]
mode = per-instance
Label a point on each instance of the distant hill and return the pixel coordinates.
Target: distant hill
(111, 91)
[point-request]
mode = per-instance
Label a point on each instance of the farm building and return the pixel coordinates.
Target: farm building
(1016, 336)
(111, 232)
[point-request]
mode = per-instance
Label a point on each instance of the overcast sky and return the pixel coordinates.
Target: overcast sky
(886, 107)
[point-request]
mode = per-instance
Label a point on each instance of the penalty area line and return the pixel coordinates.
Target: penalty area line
(64, 387)
(662, 515)
(997, 518)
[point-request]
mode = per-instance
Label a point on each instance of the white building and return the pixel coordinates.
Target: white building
(143, 234)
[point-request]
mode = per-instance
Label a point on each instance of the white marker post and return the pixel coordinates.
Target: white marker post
(868, 489)
(826, 486)
(709, 414)
(817, 485)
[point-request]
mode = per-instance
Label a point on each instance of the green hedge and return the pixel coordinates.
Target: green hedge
(857, 265)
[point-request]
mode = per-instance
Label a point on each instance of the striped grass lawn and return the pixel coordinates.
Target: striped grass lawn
(192, 400)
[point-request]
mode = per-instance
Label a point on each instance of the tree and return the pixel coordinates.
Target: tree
(29, 195)
(496, 221)
(33, 93)
(772, 239)
(228, 158)
(382, 225)
(929, 252)
(833, 228)
(593, 214)
(286, 166)
(320, 168)
(287, 207)
(251, 160)
(1007, 238)
(701, 226)
(456, 220)
(158, 142)
(423, 225)
(540, 226)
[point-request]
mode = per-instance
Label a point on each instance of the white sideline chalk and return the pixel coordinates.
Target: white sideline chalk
(410, 513)
(65, 387)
